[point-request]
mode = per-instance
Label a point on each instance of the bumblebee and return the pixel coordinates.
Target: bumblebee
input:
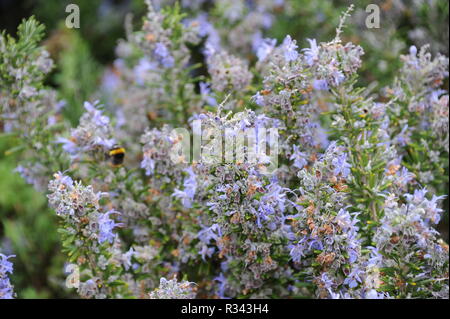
(117, 155)
(365, 112)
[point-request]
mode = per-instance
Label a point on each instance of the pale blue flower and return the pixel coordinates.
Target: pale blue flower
(290, 49)
(297, 251)
(303, 247)
(96, 115)
(190, 186)
(258, 99)
(354, 278)
(403, 138)
(264, 48)
(373, 294)
(299, 158)
(164, 56)
(222, 285)
(207, 95)
(321, 85)
(142, 69)
(338, 77)
(106, 226)
(206, 251)
(341, 166)
(6, 267)
(210, 233)
(68, 145)
(126, 258)
(312, 53)
(327, 282)
(149, 165)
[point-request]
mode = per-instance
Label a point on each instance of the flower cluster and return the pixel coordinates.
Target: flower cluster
(27, 107)
(228, 73)
(88, 233)
(171, 289)
(417, 92)
(6, 267)
(93, 134)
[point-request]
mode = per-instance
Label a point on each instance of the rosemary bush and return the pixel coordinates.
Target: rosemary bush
(345, 208)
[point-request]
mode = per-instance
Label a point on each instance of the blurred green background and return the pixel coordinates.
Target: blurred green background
(28, 227)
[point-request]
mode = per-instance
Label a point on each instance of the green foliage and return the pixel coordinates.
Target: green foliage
(31, 231)
(77, 74)
(17, 53)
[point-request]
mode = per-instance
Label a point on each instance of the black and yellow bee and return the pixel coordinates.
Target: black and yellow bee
(364, 114)
(117, 155)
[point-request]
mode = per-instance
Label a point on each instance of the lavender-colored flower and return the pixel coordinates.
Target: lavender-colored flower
(126, 258)
(222, 285)
(148, 164)
(344, 219)
(68, 145)
(207, 29)
(303, 247)
(290, 49)
(297, 251)
(206, 251)
(413, 54)
(106, 226)
(164, 56)
(265, 47)
(142, 69)
(65, 180)
(299, 158)
(320, 84)
(96, 115)
(207, 95)
(110, 81)
(373, 294)
(251, 219)
(341, 166)
(353, 244)
(210, 50)
(404, 177)
(413, 50)
(258, 99)
(88, 289)
(190, 186)
(354, 278)
(433, 212)
(375, 257)
(210, 233)
(106, 143)
(6, 267)
(326, 281)
(68, 197)
(228, 71)
(312, 53)
(171, 289)
(92, 135)
(417, 197)
(403, 138)
(337, 77)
